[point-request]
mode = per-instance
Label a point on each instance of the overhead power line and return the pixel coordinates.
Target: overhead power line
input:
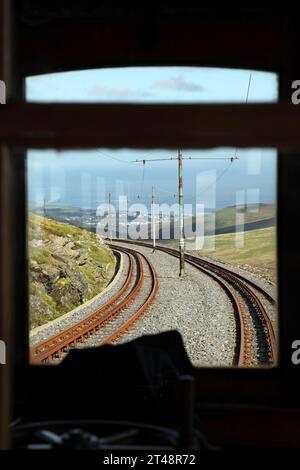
(180, 159)
(246, 101)
(121, 160)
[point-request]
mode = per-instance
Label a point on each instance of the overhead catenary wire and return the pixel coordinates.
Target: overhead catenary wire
(105, 154)
(217, 179)
(143, 179)
(236, 149)
(180, 159)
(246, 101)
(117, 159)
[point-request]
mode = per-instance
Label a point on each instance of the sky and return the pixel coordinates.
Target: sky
(84, 178)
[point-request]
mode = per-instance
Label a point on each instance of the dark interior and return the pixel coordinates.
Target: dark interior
(237, 408)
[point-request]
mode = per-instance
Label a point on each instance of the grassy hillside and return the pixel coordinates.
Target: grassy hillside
(227, 218)
(67, 266)
(254, 216)
(258, 253)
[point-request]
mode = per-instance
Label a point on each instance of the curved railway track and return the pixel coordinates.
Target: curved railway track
(58, 345)
(248, 309)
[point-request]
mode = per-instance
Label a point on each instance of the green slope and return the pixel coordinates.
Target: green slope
(257, 254)
(67, 267)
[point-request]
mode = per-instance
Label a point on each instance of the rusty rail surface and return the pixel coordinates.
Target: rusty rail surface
(245, 356)
(174, 252)
(237, 284)
(150, 298)
(242, 356)
(61, 343)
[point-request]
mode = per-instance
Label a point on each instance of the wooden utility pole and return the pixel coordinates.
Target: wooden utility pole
(181, 215)
(180, 159)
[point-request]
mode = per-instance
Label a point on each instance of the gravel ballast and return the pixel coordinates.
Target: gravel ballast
(195, 305)
(126, 314)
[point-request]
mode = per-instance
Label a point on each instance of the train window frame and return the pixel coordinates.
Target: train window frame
(92, 107)
(24, 125)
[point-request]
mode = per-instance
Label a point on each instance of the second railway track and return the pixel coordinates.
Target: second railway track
(256, 342)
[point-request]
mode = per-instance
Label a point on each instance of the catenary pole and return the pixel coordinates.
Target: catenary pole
(181, 215)
(180, 159)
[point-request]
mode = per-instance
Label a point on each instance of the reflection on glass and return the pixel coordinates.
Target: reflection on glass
(85, 207)
(206, 220)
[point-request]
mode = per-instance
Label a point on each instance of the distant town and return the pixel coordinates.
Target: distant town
(219, 222)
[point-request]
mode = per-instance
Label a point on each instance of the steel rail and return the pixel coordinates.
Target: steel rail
(245, 356)
(150, 298)
(174, 252)
(252, 297)
(63, 341)
(239, 282)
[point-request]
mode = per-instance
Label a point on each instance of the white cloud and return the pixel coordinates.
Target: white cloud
(178, 84)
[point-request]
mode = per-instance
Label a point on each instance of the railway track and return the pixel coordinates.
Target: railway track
(244, 294)
(248, 308)
(145, 303)
(55, 347)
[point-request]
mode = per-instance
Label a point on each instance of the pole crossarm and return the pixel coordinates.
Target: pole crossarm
(179, 159)
(183, 158)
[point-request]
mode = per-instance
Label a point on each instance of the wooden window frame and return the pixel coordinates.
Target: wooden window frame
(64, 126)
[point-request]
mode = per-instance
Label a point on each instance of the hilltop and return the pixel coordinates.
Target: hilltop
(255, 216)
